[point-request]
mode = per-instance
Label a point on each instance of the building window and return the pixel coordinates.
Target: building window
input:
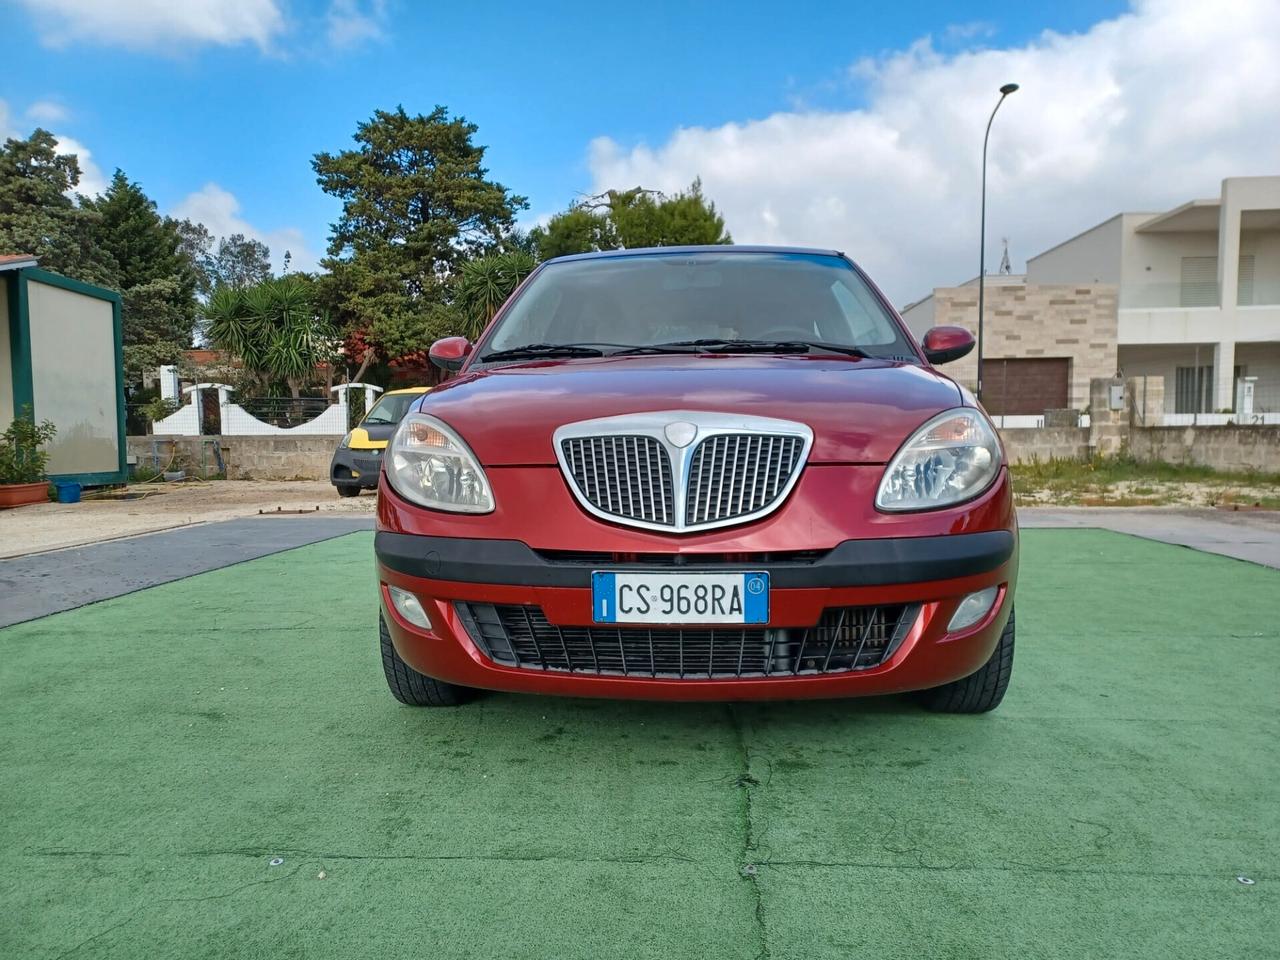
(1194, 389)
(1199, 287)
(1194, 386)
(1199, 284)
(1244, 282)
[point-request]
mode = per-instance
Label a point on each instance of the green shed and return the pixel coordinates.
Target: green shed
(61, 355)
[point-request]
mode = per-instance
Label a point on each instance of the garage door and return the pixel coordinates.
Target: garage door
(1025, 386)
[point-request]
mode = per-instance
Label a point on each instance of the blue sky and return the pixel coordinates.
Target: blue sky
(240, 93)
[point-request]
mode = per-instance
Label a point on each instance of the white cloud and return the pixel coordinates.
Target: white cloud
(157, 24)
(350, 23)
(1144, 111)
(958, 32)
(47, 111)
(219, 211)
(92, 181)
(216, 208)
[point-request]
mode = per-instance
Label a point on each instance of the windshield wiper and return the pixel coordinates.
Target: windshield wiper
(721, 345)
(532, 350)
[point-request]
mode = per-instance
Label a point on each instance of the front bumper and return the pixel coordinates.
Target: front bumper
(352, 466)
(925, 575)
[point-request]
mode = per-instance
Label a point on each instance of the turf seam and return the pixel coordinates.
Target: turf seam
(1011, 867)
(256, 853)
(144, 906)
(747, 866)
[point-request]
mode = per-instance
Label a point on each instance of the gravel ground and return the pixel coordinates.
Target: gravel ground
(162, 506)
(1157, 493)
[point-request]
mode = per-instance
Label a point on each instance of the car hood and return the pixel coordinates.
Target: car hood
(860, 410)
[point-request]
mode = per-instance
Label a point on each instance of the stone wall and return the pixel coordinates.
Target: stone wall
(1037, 320)
(1223, 448)
(241, 458)
(307, 458)
(1024, 445)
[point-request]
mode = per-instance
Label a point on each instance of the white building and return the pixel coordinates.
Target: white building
(1198, 294)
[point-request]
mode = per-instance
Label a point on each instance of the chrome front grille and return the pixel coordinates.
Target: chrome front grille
(682, 470)
(733, 475)
(625, 476)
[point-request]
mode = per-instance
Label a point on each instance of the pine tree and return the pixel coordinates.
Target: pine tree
(417, 203)
(38, 215)
(152, 269)
(632, 218)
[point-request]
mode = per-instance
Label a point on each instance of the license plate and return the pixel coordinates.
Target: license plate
(642, 597)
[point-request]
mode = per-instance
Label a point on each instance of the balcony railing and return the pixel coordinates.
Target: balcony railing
(1162, 296)
(1173, 295)
(1260, 293)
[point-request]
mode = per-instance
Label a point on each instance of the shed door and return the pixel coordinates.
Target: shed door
(1029, 385)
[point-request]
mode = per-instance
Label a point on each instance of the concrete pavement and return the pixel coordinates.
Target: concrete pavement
(37, 585)
(1252, 535)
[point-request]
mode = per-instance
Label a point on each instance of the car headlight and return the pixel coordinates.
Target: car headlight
(429, 464)
(345, 441)
(952, 458)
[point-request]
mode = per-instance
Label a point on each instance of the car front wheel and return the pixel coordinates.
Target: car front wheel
(982, 690)
(348, 489)
(409, 686)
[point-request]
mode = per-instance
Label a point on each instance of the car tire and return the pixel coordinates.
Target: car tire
(982, 690)
(411, 687)
(348, 489)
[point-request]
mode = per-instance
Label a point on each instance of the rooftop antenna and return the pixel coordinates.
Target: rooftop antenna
(1005, 267)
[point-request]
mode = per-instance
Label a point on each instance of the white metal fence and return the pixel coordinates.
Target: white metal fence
(1025, 421)
(235, 420)
(1188, 400)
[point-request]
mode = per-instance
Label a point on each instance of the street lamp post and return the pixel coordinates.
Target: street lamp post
(1007, 89)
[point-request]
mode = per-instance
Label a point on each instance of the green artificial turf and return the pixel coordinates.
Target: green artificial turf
(159, 749)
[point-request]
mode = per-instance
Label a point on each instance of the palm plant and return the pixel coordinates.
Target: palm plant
(485, 285)
(273, 327)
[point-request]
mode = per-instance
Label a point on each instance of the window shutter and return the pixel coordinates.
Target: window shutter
(1199, 282)
(1244, 282)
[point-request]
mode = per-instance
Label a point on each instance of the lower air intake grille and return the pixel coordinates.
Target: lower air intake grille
(845, 638)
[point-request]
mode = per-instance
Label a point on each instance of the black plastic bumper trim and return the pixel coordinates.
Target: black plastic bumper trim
(853, 563)
(345, 458)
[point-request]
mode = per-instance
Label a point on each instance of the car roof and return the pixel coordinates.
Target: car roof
(399, 390)
(722, 248)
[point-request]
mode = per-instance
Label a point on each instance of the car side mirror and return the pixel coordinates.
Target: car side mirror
(944, 344)
(450, 353)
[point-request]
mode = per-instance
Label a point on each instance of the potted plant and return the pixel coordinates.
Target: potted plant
(22, 462)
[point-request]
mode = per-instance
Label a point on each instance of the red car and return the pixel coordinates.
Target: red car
(698, 473)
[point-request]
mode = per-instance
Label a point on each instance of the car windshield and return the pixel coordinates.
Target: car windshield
(390, 409)
(652, 300)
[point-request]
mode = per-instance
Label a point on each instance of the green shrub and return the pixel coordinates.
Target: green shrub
(158, 408)
(145, 472)
(21, 459)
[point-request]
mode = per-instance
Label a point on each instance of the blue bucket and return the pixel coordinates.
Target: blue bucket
(68, 491)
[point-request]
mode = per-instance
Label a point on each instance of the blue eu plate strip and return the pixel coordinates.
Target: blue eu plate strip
(603, 591)
(755, 598)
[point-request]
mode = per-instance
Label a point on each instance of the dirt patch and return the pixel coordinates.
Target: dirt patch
(144, 508)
